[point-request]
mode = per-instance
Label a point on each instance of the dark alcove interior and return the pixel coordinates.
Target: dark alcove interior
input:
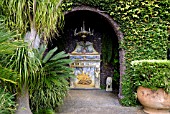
(104, 41)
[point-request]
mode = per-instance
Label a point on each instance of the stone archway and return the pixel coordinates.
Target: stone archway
(84, 10)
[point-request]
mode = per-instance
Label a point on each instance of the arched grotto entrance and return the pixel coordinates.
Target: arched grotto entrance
(106, 36)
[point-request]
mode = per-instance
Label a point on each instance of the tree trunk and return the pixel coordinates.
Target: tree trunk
(23, 101)
(32, 37)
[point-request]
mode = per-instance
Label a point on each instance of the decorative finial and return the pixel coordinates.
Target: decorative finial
(83, 33)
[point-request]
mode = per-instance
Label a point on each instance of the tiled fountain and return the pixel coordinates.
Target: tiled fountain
(86, 63)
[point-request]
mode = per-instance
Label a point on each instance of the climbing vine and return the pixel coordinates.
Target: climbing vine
(144, 24)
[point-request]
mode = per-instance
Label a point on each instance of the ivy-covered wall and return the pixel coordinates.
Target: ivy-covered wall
(144, 24)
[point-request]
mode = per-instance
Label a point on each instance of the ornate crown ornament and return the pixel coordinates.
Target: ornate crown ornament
(83, 33)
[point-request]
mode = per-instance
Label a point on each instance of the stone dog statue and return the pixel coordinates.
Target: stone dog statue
(109, 84)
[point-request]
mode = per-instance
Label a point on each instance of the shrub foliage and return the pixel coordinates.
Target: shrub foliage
(152, 73)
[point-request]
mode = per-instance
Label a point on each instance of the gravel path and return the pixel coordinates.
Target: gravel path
(95, 102)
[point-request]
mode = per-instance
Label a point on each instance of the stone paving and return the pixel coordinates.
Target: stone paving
(95, 102)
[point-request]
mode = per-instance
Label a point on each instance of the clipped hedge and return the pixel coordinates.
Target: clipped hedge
(153, 74)
(144, 24)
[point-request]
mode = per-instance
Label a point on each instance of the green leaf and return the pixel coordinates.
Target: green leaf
(49, 55)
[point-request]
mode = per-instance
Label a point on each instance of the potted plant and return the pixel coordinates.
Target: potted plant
(152, 79)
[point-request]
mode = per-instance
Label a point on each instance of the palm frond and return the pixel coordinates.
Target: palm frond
(27, 65)
(7, 47)
(7, 42)
(8, 75)
(41, 51)
(49, 55)
(7, 105)
(21, 15)
(59, 55)
(55, 85)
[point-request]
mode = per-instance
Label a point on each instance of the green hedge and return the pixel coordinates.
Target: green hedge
(152, 73)
(144, 25)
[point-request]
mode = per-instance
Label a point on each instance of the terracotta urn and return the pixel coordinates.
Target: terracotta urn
(154, 101)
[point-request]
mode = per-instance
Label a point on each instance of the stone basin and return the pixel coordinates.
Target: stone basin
(154, 101)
